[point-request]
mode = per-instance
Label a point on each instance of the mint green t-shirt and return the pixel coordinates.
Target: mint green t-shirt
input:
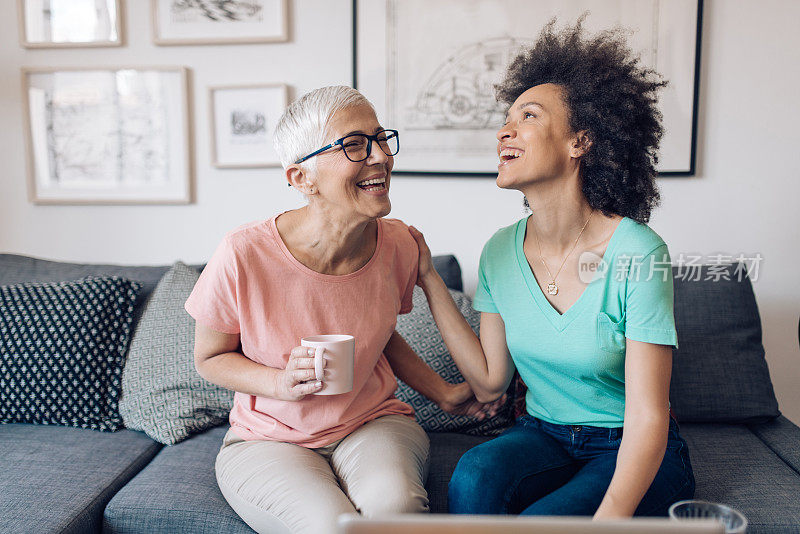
(574, 364)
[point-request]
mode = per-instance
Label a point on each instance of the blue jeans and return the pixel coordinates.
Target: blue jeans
(539, 468)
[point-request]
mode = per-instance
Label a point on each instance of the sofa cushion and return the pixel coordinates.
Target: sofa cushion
(176, 493)
(783, 438)
(733, 466)
(162, 393)
(16, 269)
(719, 374)
(419, 329)
(62, 350)
(164, 496)
(446, 449)
(59, 479)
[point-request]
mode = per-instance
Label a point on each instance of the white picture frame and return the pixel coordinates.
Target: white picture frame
(70, 23)
(116, 135)
(243, 120)
(202, 22)
(460, 48)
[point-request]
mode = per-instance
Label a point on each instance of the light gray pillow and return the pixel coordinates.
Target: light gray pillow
(162, 393)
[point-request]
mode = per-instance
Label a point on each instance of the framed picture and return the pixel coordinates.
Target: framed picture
(432, 77)
(199, 22)
(69, 23)
(107, 136)
(243, 119)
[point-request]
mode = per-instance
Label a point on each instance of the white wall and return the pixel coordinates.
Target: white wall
(743, 199)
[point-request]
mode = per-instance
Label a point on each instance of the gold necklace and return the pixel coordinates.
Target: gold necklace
(552, 287)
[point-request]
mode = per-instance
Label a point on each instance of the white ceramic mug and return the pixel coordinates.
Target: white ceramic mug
(338, 353)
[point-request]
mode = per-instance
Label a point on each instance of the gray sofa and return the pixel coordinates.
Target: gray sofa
(744, 453)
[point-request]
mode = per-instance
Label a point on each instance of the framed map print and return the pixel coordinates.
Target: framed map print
(107, 135)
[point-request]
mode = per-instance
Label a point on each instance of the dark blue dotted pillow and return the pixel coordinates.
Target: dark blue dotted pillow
(419, 330)
(62, 351)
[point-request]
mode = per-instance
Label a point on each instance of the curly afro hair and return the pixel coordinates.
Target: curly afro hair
(613, 97)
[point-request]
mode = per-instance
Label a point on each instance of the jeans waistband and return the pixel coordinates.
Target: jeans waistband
(612, 433)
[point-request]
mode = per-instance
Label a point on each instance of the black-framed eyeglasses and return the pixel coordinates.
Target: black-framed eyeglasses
(358, 147)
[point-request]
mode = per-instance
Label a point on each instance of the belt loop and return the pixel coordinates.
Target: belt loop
(614, 433)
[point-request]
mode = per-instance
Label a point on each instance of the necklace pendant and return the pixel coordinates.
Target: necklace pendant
(552, 288)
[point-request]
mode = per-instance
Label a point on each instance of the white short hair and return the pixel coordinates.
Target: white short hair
(303, 127)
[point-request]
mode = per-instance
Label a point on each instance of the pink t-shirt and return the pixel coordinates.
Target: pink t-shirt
(254, 287)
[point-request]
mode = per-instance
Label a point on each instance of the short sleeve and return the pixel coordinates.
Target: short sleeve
(213, 301)
(649, 297)
(407, 299)
(483, 301)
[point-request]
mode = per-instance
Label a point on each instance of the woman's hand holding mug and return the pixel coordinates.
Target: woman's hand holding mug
(336, 353)
(299, 378)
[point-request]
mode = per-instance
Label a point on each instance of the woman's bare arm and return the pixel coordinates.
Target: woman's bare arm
(218, 359)
(485, 363)
(644, 441)
(454, 398)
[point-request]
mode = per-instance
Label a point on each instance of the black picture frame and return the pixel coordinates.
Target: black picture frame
(672, 173)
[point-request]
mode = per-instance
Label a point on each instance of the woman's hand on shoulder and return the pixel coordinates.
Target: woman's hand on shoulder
(426, 270)
(298, 379)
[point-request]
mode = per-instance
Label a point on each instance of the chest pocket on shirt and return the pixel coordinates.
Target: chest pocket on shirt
(610, 334)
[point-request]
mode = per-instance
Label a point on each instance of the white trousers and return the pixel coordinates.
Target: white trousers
(278, 487)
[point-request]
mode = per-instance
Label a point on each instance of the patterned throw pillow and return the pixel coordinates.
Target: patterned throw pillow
(162, 393)
(419, 329)
(62, 350)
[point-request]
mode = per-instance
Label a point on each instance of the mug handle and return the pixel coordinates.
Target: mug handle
(319, 363)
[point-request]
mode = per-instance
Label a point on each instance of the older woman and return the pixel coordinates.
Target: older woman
(577, 297)
(293, 461)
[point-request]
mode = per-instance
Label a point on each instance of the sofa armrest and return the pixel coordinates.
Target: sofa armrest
(783, 438)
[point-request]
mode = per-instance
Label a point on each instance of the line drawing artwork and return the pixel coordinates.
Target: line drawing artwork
(108, 130)
(221, 11)
(243, 119)
(435, 81)
(80, 150)
(248, 126)
(459, 94)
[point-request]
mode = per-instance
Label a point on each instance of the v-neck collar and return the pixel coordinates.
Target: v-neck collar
(561, 320)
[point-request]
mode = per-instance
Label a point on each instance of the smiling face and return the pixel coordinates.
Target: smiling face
(355, 188)
(536, 143)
